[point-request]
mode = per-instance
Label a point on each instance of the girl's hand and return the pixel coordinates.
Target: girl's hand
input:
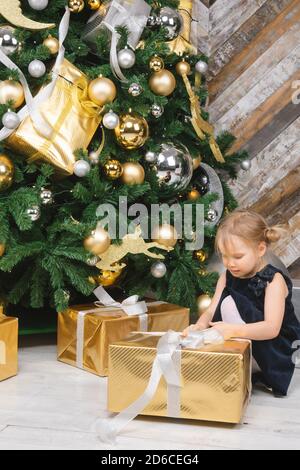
(226, 329)
(194, 327)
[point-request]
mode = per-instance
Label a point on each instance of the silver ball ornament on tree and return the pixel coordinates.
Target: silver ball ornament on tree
(246, 165)
(37, 68)
(111, 120)
(46, 196)
(201, 67)
(151, 157)
(38, 4)
(174, 167)
(8, 43)
(158, 269)
(93, 261)
(34, 213)
(82, 168)
(152, 21)
(94, 158)
(10, 120)
(171, 20)
(135, 89)
(126, 58)
(157, 110)
(212, 215)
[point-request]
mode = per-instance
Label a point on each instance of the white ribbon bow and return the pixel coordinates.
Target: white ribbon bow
(32, 104)
(166, 364)
(131, 305)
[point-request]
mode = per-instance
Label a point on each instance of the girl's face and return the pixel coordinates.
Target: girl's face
(242, 258)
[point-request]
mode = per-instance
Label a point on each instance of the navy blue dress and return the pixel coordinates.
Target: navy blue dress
(274, 356)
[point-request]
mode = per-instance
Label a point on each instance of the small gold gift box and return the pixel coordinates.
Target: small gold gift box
(84, 338)
(72, 118)
(215, 379)
(8, 346)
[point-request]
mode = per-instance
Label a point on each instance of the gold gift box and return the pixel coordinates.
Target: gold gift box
(216, 379)
(73, 123)
(102, 329)
(8, 346)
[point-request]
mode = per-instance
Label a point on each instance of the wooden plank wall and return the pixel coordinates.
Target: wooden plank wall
(254, 51)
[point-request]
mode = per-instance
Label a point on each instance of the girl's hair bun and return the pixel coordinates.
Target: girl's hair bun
(273, 234)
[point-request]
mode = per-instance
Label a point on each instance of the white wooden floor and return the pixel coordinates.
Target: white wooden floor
(51, 405)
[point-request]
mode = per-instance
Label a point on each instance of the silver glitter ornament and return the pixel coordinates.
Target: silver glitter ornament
(46, 196)
(158, 269)
(94, 158)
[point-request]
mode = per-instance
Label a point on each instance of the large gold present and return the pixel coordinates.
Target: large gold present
(72, 118)
(85, 332)
(8, 346)
(215, 380)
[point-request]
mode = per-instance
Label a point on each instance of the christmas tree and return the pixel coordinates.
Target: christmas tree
(115, 115)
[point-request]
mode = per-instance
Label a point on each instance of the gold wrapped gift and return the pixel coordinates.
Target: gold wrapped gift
(8, 346)
(84, 339)
(215, 379)
(72, 117)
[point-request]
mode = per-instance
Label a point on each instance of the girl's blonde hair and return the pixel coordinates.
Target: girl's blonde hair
(248, 225)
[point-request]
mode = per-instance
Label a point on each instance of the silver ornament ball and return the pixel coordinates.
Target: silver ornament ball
(37, 68)
(152, 21)
(126, 58)
(158, 269)
(38, 4)
(82, 168)
(94, 158)
(8, 43)
(110, 120)
(151, 157)
(135, 89)
(174, 167)
(93, 261)
(246, 165)
(211, 215)
(201, 67)
(34, 213)
(46, 196)
(10, 120)
(171, 20)
(157, 110)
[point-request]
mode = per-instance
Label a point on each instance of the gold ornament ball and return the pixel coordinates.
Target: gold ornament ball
(162, 83)
(203, 303)
(52, 44)
(201, 256)
(183, 67)
(113, 169)
(102, 91)
(97, 242)
(94, 4)
(107, 278)
(76, 6)
(202, 272)
(11, 90)
(196, 163)
(193, 195)
(156, 64)
(165, 234)
(2, 249)
(133, 173)
(6, 172)
(132, 131)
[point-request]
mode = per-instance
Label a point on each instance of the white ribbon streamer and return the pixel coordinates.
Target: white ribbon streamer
(32, 104)
(166, 364)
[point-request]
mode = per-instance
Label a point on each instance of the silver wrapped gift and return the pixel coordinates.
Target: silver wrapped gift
(132, 14)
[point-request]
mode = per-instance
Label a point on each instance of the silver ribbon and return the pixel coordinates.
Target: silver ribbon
(32, 104)
(166, 364)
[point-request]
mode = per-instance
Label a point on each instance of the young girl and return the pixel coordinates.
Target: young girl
(253, 299)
